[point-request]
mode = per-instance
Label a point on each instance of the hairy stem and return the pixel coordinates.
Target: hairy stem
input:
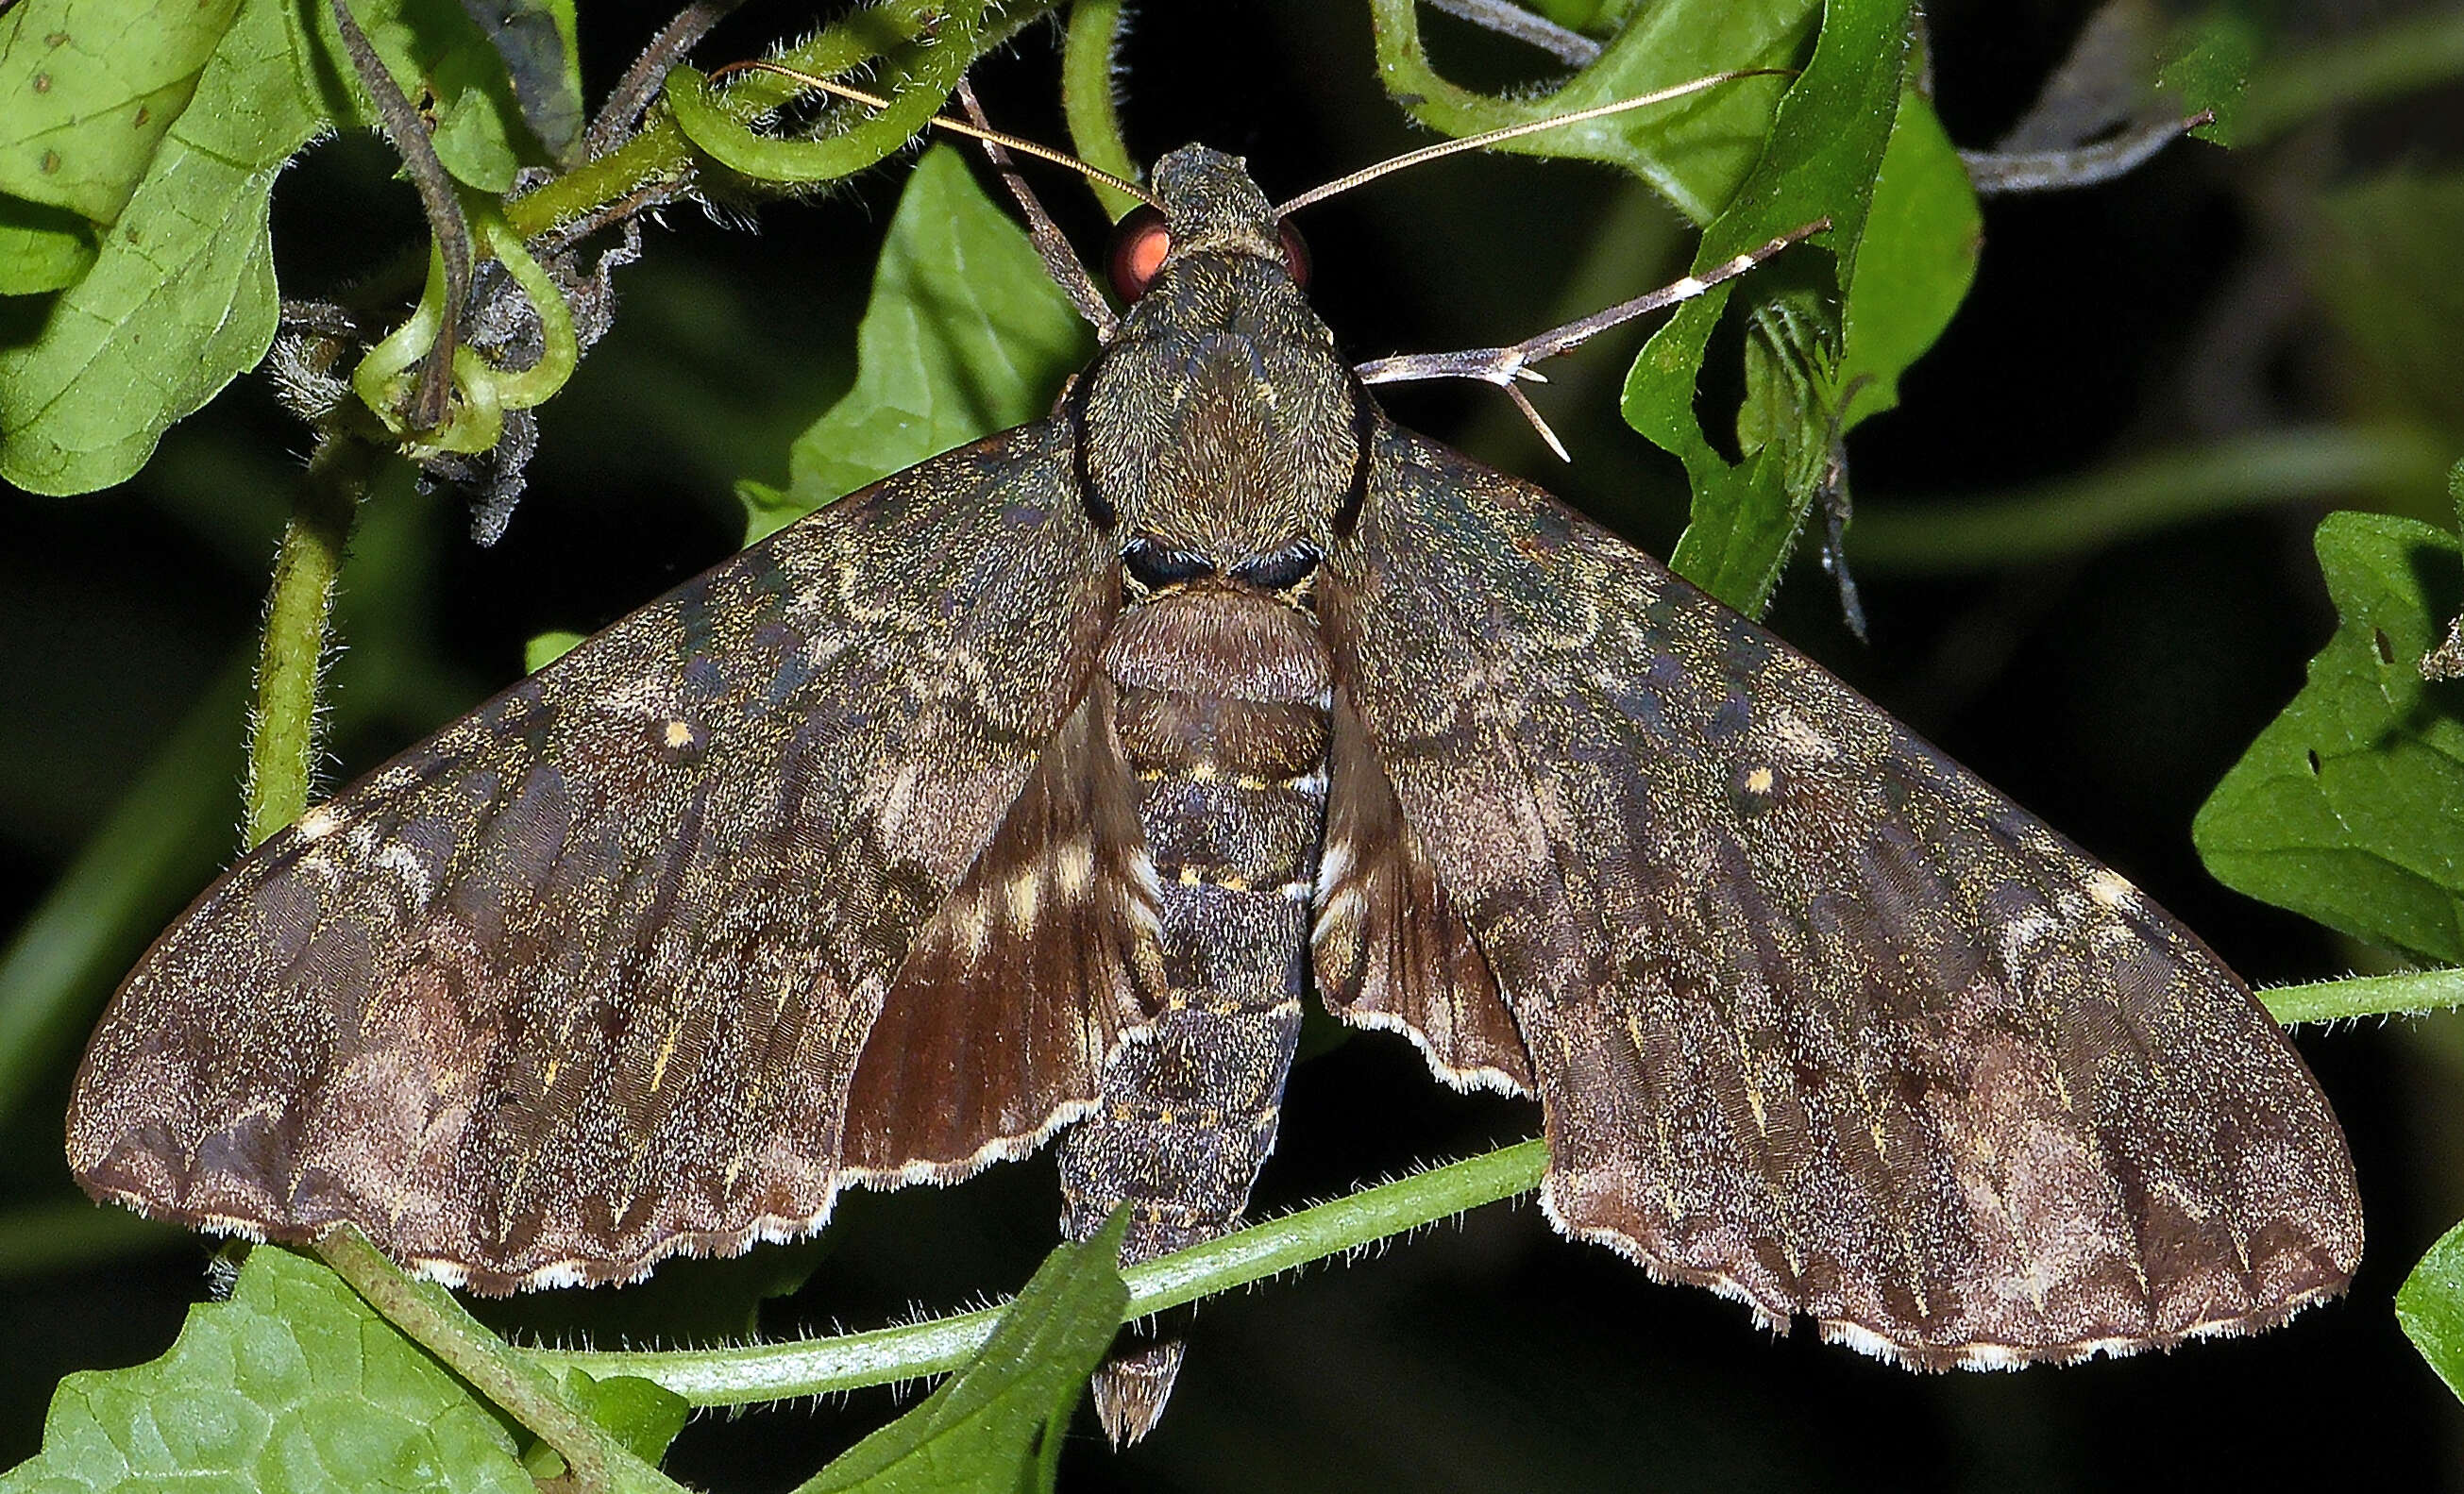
(779, 1372)
(2365, 995)
(526, 1391)
(1088, 101)
(282, 740)
(658, 163)
(640, 84)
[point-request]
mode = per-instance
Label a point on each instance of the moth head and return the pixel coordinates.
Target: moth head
(1210, 206)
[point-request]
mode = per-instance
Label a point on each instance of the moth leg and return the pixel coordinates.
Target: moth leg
(1503, 366)
(1059, 260)
(2095, 118)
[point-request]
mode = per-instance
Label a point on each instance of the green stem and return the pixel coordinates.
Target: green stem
(933, 45)
(2084, 512)
(76, 1235)
(2365, 995)
(781, 1372)
(1088, 101)
(282, 742)
(517, 1382)
(171, 825)
(658, 161)
(2383, 62)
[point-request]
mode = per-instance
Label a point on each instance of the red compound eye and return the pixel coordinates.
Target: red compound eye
(1138, 246)
(1296, 255)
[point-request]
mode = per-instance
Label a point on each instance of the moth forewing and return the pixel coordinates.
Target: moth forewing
(1818, 1020)
(586, 978)
(1026, 791)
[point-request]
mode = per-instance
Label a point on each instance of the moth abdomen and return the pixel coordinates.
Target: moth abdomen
(1223, 727)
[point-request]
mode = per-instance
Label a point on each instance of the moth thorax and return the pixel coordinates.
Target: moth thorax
(1244, 461)
(1221, 419)
(1213, 641)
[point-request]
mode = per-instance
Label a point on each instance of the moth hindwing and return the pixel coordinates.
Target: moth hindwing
(1033, 787)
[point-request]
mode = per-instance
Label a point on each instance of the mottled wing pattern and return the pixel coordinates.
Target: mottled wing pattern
(1389, 949)
(582, 980)
(1818, 1019)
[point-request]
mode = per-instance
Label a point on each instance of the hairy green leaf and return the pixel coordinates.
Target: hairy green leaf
(294, 1384)
(2344, 809)
(180, 296)
(1827, 145)
(2431, 1307)
(964, 335)
(994, 1427)
(92, 86)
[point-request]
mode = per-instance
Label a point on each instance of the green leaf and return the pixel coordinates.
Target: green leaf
(434, 52)
(646, 1418)
(41, 249)
(534, 41)
(180, 296)
(294, 1384)
(2345, 809)
(548, 648)
(2431, 1307)
(2208, 67)
(1916, 262)
(1827, 146)
(965, 335)
(92, 87)
(1693, 151)
(996, 1425)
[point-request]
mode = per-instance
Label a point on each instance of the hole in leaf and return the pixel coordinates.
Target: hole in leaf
(2379, 641)
(1719, 386)
(2313, 755)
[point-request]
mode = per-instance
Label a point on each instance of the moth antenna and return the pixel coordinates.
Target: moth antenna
(1024, 148)
(1428, 153)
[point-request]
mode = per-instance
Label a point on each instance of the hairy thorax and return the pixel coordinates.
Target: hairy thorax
(1221, 420)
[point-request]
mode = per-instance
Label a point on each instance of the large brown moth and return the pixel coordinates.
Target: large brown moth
(1031, 790)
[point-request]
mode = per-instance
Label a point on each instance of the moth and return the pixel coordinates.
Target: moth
(1030, 791)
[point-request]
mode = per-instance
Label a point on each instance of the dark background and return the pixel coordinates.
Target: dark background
(2107, 693)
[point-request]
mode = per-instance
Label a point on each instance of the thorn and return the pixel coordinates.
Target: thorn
(1522, 403)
